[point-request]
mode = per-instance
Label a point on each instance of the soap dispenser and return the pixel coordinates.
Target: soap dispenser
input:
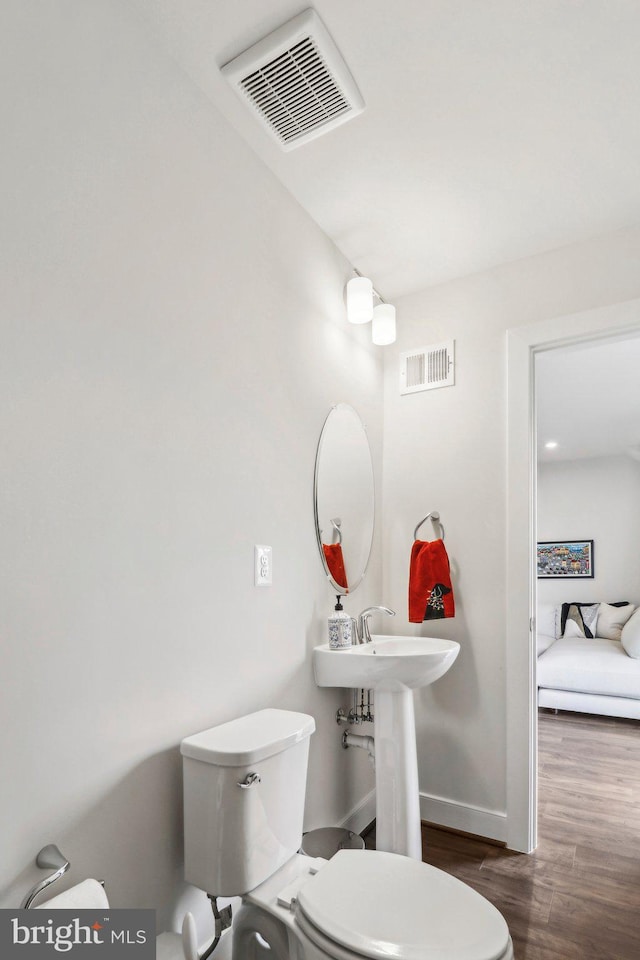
(340, 628)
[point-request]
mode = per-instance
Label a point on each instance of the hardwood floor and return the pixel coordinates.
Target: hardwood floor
(577, 897)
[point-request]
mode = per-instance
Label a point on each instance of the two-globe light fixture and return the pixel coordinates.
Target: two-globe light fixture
(360, 309)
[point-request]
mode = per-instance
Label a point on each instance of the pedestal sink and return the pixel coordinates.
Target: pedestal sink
(392, 667)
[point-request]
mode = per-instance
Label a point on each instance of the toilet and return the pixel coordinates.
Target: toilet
(244, 793)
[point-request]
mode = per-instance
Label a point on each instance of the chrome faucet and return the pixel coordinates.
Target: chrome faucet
(362, 624)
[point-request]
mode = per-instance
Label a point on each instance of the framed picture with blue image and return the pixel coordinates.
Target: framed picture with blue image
(565, 560)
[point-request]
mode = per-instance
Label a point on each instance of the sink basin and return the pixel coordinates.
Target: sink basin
(387, 663)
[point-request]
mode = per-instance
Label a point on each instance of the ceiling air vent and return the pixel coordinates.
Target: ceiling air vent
(296, 81)
(426, 368)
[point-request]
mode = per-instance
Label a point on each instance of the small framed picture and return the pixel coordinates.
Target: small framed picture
(562, 559)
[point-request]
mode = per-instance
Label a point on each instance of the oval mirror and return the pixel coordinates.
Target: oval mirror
(344, 498)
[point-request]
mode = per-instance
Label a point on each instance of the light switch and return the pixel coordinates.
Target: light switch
(263, 566)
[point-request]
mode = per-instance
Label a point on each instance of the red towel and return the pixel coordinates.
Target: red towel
(430, 590)
(335, 563)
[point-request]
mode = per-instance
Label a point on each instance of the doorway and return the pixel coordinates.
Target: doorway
(523, 344)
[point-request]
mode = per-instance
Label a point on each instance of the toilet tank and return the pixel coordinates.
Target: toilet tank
(244, 790)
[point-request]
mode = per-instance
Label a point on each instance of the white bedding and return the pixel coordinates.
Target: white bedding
(595, 666)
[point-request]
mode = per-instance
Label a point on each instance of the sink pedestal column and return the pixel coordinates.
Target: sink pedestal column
(397, 796)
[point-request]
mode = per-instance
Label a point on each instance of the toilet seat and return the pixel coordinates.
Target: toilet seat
(379, 905)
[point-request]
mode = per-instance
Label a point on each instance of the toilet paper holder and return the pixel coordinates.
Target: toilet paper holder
(49, 858)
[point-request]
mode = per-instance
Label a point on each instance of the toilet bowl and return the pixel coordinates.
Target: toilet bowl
(244, 789)
(370, 904)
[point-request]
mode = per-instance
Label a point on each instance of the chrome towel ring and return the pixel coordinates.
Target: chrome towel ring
(435, 517)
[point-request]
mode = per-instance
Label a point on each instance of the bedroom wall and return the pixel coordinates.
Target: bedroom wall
(596, 499)
(173, 334)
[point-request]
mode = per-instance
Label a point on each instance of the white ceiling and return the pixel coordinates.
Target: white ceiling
(493, 129)
(588, 400)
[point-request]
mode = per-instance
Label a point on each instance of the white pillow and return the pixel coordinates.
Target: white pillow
(612, 619)
(547, 620)
(631, 636)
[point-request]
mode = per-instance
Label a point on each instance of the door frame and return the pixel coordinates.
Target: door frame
(523, 343)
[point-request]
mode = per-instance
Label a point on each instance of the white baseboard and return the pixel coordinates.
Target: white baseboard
(362, 815)
(458, 816)
(440, 812)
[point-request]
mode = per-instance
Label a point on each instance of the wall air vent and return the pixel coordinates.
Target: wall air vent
(296, 81)
(427, 368)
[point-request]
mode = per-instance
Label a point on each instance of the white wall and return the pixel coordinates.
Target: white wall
(172, 338)
(596, 499)
(446, 450)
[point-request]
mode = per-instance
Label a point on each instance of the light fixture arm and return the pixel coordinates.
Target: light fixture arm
(375, 292)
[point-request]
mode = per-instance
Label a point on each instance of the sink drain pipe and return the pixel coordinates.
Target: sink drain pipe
(356, 740)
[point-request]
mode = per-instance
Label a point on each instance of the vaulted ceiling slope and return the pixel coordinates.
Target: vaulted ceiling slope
(493, 130)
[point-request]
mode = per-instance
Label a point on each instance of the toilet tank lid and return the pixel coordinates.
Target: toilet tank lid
(249, 739)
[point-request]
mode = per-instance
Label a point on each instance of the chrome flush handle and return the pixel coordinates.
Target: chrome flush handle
(249, 781)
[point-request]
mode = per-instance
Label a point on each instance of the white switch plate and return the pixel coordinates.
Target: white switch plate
(263, 566)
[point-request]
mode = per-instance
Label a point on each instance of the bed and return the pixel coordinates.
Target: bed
(589, 659)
